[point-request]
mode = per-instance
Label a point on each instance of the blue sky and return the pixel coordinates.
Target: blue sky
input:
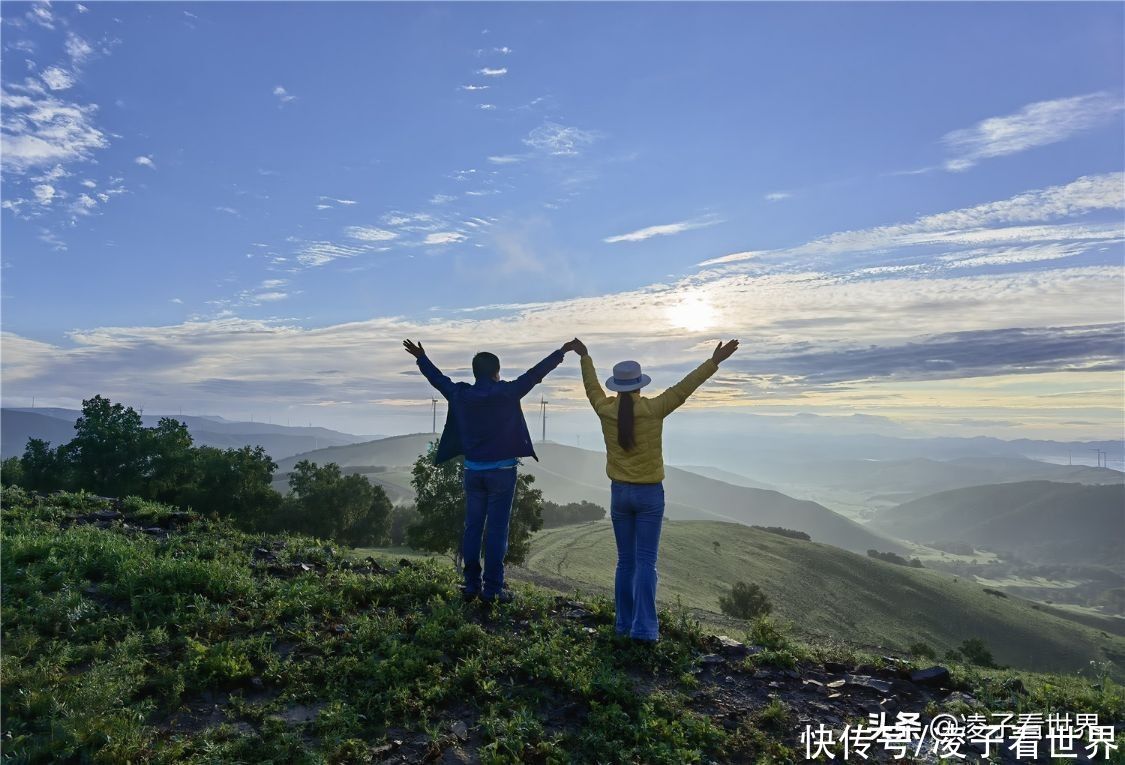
(910, 211)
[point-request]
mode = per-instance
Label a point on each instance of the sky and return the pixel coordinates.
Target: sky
(909, 212)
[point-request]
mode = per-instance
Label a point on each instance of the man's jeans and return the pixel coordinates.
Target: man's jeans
(637, 511)
(488, 508)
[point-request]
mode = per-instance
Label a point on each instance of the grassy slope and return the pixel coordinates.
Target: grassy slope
(825, 591)
(1042, 520)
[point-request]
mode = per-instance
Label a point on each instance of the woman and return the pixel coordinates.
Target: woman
(632, 426)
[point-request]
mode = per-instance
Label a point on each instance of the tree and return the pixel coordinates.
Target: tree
(974, 650)
(439, 497)
(108, 451)
(236, 483)
(172, 463)
(402, 518)
(11, 472)
(43, 469)
(555, 515)
(440, 501)
(745, 601)
(347, 509)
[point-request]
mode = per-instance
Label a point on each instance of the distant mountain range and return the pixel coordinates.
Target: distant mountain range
(569, 474)
(57, 426)
(1039, 521)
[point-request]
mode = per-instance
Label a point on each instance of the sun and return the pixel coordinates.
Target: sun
(693, 313)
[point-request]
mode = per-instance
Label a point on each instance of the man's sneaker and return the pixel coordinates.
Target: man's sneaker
(468, 596)
(505, 596)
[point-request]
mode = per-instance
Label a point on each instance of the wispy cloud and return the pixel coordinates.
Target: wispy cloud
(490, 72)
(370, 234)
(441, 199)
(475, 87)
(145, 161)
(283, 96)
(505, 159)
(40, 130)
(57, 78)
(777, 196)
(1037, 124)
(559, 140)
(665, 229)
(316, 254)
(967, 225)
(486, 107)
(78, 49)
(445, 237)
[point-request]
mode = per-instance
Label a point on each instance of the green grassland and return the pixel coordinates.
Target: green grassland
(829, 593)
(149, 635)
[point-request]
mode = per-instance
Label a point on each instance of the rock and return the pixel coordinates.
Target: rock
(835, 667)
(816, 684)
(155, 531)
(889, 705)
(865, 681)
(454, 756)
(460, 730)
(405, 563)
(836, 683)
(712, 658)
(865, 669)
(935, 675)
(257, 683)
(260, 553)
(106, 515)
(382, 749)
(792, 674)
(963, 698)
(731, 647)
(577, 613)
(1015, 685)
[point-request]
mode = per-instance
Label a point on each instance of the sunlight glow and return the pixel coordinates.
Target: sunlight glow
(693, 313)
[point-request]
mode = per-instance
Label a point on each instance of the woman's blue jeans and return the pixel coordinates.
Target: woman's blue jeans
(488, 509)
(637, 511)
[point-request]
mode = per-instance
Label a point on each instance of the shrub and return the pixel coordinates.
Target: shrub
(745, 601)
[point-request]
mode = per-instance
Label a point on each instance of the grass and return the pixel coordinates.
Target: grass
(831, 594)
(111, 635)
(205, 645)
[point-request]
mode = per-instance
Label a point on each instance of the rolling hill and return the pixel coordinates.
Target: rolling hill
(829, 593)
(57, 426)
(1040, 521)
(569, 474)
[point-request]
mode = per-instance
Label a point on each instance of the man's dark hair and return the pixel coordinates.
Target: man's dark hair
(485, 365)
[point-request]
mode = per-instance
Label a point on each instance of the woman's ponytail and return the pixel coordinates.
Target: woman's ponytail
(625, 435)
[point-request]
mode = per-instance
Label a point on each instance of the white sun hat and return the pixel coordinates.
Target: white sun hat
(626, 377)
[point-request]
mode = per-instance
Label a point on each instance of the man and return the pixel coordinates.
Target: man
(486, 424)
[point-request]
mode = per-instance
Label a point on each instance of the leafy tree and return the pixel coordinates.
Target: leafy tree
(43, 468)
(234, 482)
(108, 451)
(347, 509)
(402, 518)
(922, 650)
(172, 463)
(440, 501)
(527, 518)
(439, 497)
(11, 472)
(555, 515)
(745, 601)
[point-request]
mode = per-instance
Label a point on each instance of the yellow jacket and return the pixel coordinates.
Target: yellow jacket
(644, 463)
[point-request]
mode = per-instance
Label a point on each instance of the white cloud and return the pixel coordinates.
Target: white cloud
(777, 196)
(559, 140)
(505, 159)
(84, 204)
(42, 130)
(665, 229)
(44, 193)
(145, 161)
(321, 253)
(346, 202)
(283, 95)
(178, 301)
(486, 107)
(475, 87)
(1086, 194)
(89, 184)
(227, 210)
(440, 199)
(56, 78)
(370, 234)
(504, 50)
(489, 72)
(40, 13)
(324, 207)
(445, 237)
(78, 49)
(1037, 124)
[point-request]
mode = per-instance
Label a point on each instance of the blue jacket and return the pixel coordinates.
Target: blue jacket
(485, 421)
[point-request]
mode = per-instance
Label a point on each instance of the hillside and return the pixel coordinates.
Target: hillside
(280, 441)
(133, 633)
(828, 593)
(1039, 521)
(569, 474)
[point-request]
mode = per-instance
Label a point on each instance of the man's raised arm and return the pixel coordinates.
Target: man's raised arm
(523, 384)
(442, 383)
